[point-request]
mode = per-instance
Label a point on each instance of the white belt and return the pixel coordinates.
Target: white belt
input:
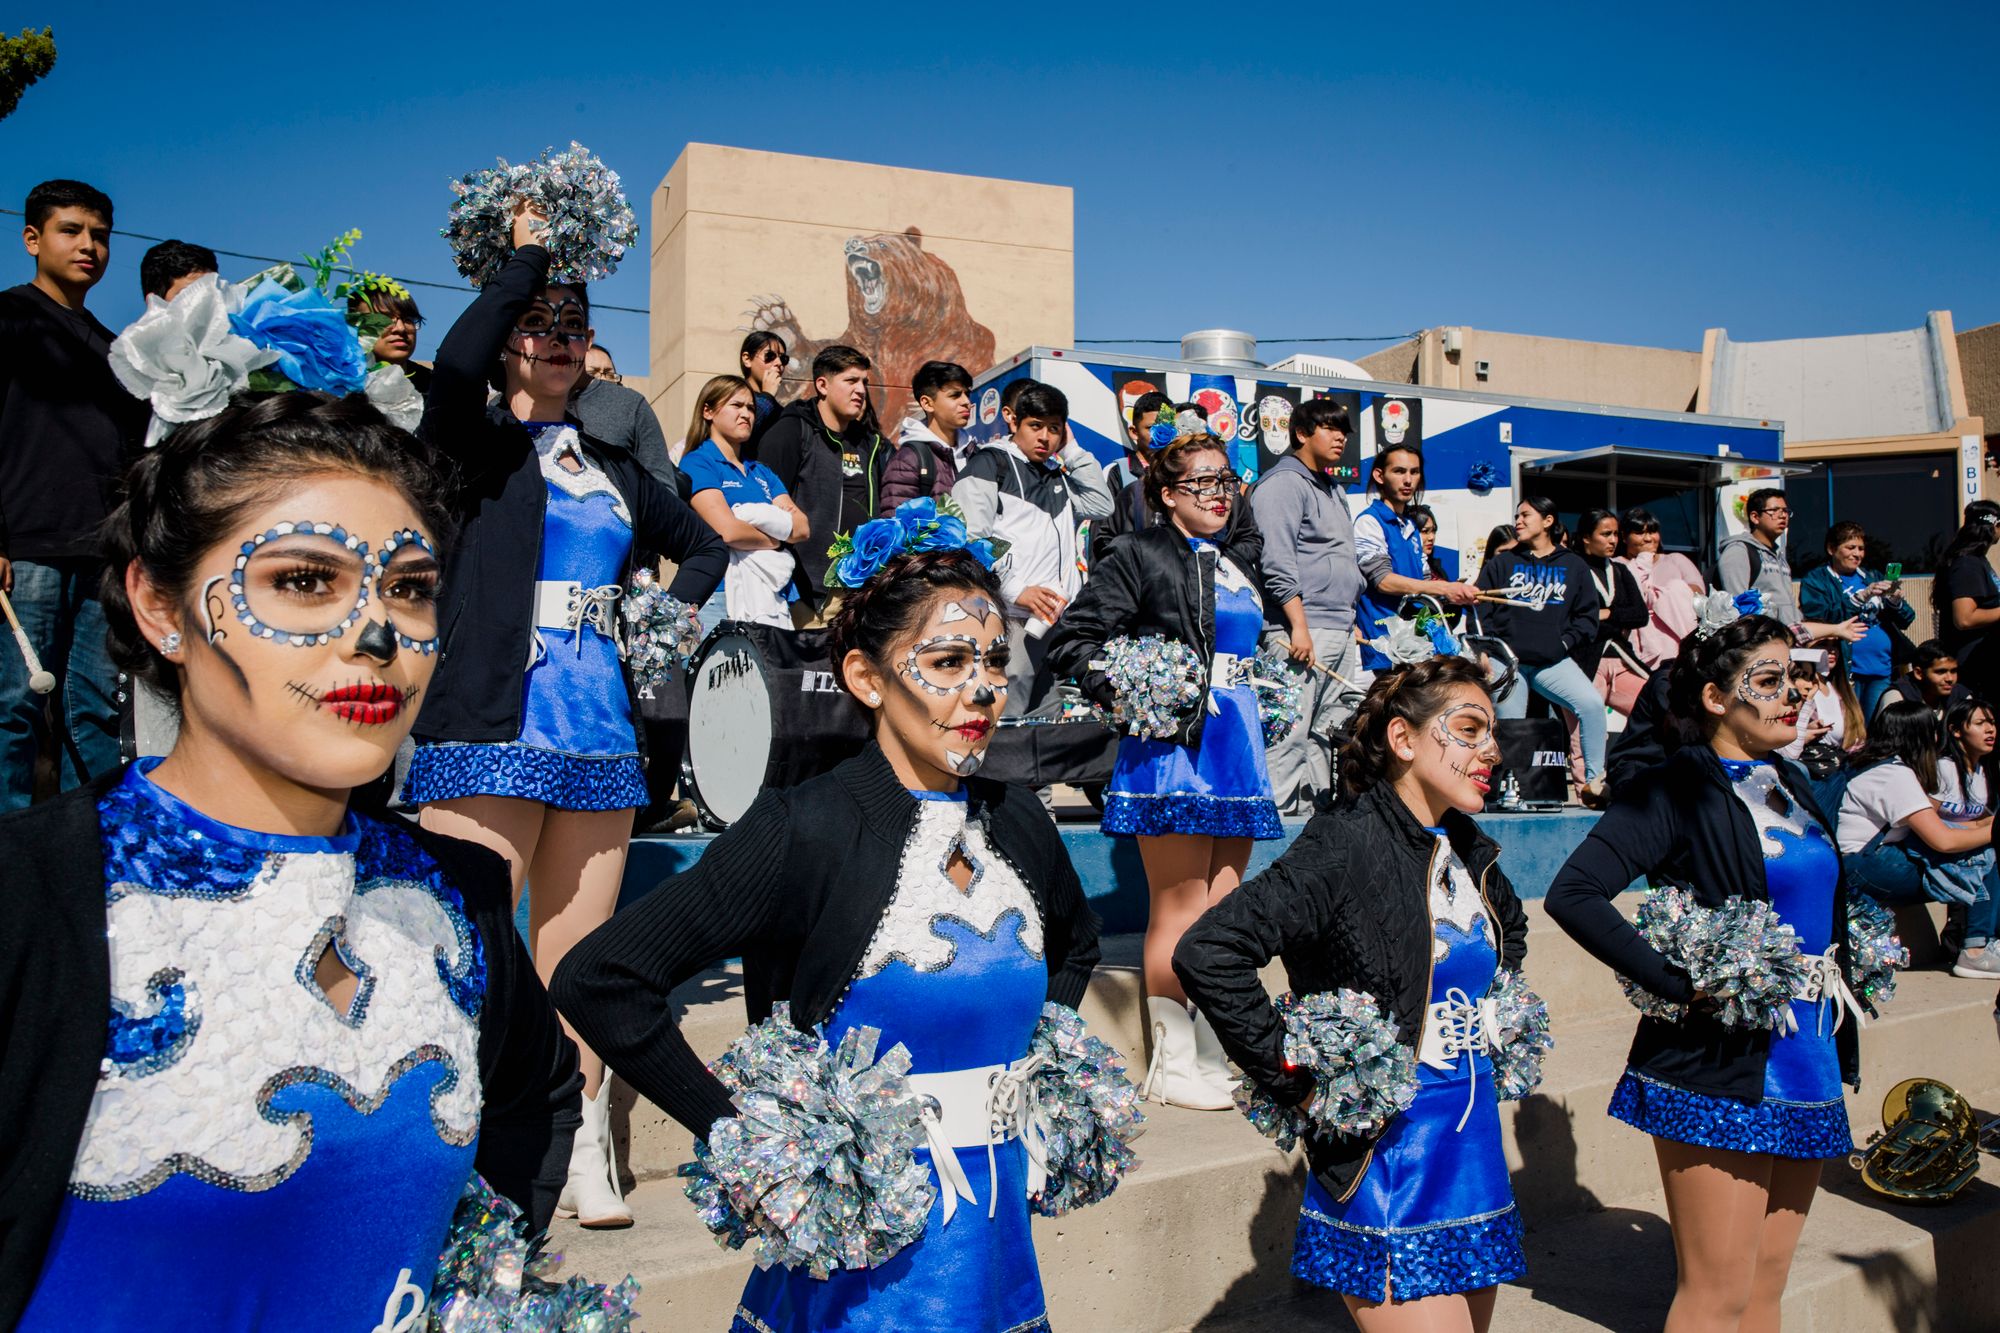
(1225, 670)
(1456, 1026)
(571, 606)
(1824, 984)
(981, 1108)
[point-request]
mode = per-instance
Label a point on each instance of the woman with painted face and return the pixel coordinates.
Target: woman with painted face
(1397, 895)
(1195, 801)
(1742, 1120)
(528, 746)
(259, 1041)
(1548, 616)
(898, 892)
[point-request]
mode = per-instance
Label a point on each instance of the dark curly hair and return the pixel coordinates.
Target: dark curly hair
(1171, 464)
(191, 493)
(891, 604)
(1416, 693)
(1714, 660)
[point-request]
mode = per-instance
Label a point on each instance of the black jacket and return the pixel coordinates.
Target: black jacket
(1346, 906)
(67, 428)
(55, 999)
(797, 888)
(1567, 620)
(1151, 582)
(1682, 824)
(1628, 612)
(1129, 513)
(488, 610)
(813, 463)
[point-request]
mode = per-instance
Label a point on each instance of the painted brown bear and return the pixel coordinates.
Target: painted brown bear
(904, 307)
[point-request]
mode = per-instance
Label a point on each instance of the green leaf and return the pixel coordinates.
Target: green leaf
(23, 62)
(265, 380)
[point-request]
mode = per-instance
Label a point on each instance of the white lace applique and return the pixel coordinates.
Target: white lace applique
(1772, 809)
(258, 1023)
(1455, 900)
(925, 894)
(555, 443)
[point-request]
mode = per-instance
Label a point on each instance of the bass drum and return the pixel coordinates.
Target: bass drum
(764, 710)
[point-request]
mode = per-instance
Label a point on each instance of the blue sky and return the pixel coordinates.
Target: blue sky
(1630, 176)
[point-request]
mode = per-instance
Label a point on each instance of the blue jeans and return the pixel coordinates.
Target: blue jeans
(1868, 690)
(1564, 683)
(58, 607)
(1896, 873)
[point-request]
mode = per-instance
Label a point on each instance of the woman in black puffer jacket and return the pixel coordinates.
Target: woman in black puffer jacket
(1397, 895)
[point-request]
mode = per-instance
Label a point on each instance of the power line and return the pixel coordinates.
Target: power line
(1282, 342)
(464, 288)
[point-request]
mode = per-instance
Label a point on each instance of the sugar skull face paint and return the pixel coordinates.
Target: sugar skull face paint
(308, 582)
(946, 689)
(1456, 756)
(1760, 707)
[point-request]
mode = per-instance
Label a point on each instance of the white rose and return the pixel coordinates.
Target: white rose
(394, 396)
(182, 357)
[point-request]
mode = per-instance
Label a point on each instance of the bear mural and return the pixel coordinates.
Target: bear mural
(904, 307)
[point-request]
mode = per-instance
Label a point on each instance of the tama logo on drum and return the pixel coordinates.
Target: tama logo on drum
(1550, 759)
(818, 682)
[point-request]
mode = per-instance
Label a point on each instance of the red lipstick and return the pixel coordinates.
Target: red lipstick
(367, 705)
(975, 730)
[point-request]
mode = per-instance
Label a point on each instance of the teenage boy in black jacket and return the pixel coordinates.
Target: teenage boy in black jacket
(67, 429)
(831, 462)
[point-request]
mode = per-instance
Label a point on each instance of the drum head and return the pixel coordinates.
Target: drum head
(729, 726)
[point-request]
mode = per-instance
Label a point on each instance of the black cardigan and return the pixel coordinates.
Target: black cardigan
(797, 887)
(488, 608)
(1149, 581)
(55, 998)
(1628, 612)
(1346, 906)
(1681, 823)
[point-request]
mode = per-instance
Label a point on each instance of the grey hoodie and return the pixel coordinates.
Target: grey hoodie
(1741, 555)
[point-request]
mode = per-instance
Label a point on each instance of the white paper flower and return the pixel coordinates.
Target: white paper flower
(395, 397)
(1719, 609)
(183, 358)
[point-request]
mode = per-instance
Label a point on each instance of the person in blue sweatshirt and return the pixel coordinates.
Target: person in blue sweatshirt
(1550, 613)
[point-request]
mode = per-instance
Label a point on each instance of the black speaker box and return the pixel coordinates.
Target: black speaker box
(1535, 751)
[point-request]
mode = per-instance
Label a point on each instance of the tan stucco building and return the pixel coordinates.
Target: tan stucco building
(907, 265)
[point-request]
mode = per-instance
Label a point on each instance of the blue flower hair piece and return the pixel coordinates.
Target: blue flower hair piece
(923, 524)
(1481, 477)
(1171, 425)
(590, 222)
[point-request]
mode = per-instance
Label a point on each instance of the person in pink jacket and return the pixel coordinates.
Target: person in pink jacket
(1670, 583)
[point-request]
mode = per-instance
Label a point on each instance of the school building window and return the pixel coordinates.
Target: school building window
(1907, 502)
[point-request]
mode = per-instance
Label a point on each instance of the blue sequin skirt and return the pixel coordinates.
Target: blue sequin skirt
(1433, 1212)
(1219, 788)
(1808, 1131)
(449, 770)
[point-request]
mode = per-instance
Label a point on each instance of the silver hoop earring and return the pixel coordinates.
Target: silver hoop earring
(873, 698)
(170, 643)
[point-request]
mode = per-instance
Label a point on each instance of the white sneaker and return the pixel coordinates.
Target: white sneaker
(1981, 964)
(591, 1193)
(1174, 1073)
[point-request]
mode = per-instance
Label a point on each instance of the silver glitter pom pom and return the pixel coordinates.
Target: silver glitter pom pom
(1084, 1114)
(1741, 956)
(590, 222)
(661, 631)
(490, 1279)
(1874, 949)
(1280, 684)
(819, 1163)
(1362, 1075)
(1519, 1037)
(1158, 681)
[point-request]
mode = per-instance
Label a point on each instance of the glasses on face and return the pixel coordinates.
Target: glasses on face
(542, 320)
(1208, 485)
(1774, 511)
(772, 356)
(607, 374)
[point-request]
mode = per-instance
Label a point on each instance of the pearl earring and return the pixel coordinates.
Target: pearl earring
(873, 698)
(170, 643)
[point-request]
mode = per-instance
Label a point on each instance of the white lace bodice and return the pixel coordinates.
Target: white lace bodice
(925, 893)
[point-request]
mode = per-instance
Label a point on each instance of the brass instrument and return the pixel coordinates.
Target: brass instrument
(1928, 1147)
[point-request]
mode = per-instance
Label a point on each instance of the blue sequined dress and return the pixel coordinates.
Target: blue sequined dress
(254, 1157)
(1221, 786)
(1433, 1211)
(958, 977)
(577, 749)
(1802, 1114)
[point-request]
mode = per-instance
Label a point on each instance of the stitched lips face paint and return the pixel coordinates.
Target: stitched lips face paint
(363, 703)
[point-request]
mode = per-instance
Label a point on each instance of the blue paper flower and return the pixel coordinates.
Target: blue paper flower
(947, 534)
(1481, 477)
(876, 542)
(914, 514)
(316, 347)
(1749, 602)
(982, 551)
(1161, 435)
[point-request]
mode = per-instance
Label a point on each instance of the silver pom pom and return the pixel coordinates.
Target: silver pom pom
(1875, 949)
(492, 1279)
(1158, 681)
(1362, 1075)
(590, 222)
(1519, 1037)
(661, 631)
(1742, 956)
(1084, 1114)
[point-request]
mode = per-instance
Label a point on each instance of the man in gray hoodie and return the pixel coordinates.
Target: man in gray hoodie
(1756, 559)
(1313, 581)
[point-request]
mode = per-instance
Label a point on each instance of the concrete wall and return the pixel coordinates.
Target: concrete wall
(1659, 378)
(908, 265)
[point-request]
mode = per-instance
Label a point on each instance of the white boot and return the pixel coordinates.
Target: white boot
(591, 1194)
(1211, 1062)
(1173, 1074)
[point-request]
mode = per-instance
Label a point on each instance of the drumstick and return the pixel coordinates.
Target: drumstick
(1327, 670)
(40, 681)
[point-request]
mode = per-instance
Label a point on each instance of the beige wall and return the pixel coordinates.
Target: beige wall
(1658, 378)
(744, 239)
(1979, 363)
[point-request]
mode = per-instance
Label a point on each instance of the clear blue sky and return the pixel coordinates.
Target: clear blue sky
(1620, 174)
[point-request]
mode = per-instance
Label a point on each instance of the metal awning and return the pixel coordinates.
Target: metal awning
(1657, 467)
